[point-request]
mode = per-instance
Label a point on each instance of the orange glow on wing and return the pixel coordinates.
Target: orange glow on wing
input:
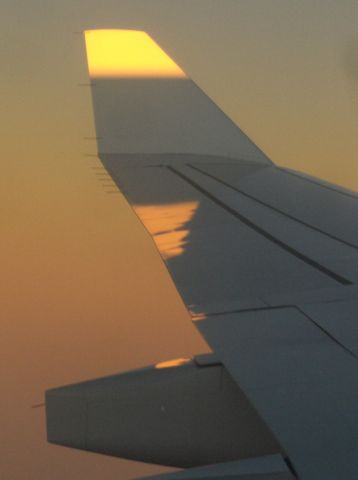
(172, 244)
(127, 53)
(173, 363)
(166, 224)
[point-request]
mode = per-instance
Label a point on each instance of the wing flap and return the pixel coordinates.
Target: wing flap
(316, 245)
(302, 382)
(324, 207)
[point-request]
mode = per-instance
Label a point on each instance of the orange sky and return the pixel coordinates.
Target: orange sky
(74, 259)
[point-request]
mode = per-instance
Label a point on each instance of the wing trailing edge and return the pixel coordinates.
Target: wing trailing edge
(271, 467)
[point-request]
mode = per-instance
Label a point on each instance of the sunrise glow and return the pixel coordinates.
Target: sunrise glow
(127, 53)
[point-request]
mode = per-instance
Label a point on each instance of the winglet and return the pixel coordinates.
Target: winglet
(145, 103)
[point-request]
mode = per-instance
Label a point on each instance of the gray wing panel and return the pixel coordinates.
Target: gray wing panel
(302, 382)
(315, 245)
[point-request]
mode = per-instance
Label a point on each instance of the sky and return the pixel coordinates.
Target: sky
(84, 293)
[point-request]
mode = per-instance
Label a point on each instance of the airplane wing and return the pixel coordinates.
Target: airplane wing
(266, 262)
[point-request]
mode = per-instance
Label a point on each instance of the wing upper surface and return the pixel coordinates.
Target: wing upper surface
(270, 288)
(225, 247)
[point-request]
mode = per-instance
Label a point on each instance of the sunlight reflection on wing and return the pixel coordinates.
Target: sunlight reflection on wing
(165, 223)
(173, 363)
